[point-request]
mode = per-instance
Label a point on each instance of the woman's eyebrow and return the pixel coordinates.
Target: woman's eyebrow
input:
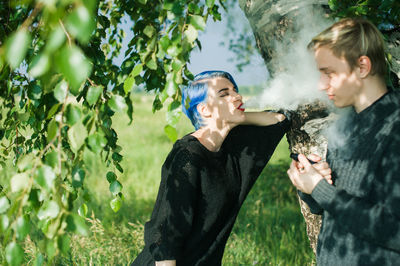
(223, 90)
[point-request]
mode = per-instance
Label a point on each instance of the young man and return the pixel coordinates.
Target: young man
(361, 209)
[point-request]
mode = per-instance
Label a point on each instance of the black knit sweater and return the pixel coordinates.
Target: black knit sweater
(361, 211)
(201, 193)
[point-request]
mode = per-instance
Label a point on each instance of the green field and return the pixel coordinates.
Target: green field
(269, 230)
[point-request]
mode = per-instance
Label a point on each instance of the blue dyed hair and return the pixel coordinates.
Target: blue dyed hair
(196, 93)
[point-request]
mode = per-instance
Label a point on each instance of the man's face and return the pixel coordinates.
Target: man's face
(342, 85)
(224, 102)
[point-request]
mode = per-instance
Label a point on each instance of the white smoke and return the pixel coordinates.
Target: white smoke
(298, 82)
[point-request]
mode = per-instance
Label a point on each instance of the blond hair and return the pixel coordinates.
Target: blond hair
(351, 38)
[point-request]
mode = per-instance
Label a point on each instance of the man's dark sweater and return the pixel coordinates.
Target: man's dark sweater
(361, 211)
(201, 193)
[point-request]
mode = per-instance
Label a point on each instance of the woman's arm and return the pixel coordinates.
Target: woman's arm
(166, 263)
(262, 118)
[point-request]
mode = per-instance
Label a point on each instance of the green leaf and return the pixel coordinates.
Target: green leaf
(93, 94)
(152, 63)
(52, 111)
(164, 43)
(177, 65)
(128, 84)
(210, 3)
(45, 177)
(83, 209)
(76, 223)
(64, 243)
(149, 31)
(50, 209)
(136, 70)
(14, 254)
(174, 113)
(4, 223)
(191, 33)
(23, 227)
(16, 47)
(78, 175)
(19, 182)
(76, 136)
(142, 1)
(60, 91)
(39, 261)
(97, 142)
(56, 39)
(116, 204)
(73, 64)
(73, 114)
(52, 130)
(4, 204)
(25, 162)
(198, 22)
(115, 187)
(111, 177)
(40, 65)
(34, 92)
(117, 103)
(52, 159)
(174, 50)
(80, 24)
(170, 86)
(171, 133)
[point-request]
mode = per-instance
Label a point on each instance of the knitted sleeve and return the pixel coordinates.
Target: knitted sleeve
(172, 216)
(253, 146)
(376, 221)
(312, 204)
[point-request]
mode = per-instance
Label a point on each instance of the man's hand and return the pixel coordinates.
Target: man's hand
(166, 263)
(305, 176)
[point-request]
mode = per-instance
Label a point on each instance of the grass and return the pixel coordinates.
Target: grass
(269, 229)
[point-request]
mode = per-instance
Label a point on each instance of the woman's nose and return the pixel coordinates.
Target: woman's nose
(238, 96)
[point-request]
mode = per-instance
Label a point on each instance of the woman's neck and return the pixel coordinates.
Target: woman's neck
(211, 137)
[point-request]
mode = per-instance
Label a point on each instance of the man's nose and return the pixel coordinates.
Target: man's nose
(323, 83)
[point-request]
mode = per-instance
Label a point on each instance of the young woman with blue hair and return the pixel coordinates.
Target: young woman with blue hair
(208, 173)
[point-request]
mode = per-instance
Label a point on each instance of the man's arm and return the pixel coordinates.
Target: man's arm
(373, 221)
(262, 118)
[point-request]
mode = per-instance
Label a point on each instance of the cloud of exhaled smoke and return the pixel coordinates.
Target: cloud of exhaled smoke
(298, 82)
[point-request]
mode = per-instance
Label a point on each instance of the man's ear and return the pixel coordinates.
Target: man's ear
(203, 110)
(365, 66)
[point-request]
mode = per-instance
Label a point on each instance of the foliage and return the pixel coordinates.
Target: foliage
(60, 89)
(383, 13)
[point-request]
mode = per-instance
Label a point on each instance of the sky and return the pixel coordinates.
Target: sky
(214, 56)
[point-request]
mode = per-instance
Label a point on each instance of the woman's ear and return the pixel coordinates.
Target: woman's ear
(203, 110)
(365, 66)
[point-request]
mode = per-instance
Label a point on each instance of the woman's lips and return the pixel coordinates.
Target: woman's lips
(240, 107)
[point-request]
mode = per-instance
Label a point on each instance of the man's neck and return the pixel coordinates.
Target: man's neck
(373, 88)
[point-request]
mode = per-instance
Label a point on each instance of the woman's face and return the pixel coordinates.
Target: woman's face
(224, 102)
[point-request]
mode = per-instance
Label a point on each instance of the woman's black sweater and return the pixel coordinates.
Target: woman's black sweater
(201, 193)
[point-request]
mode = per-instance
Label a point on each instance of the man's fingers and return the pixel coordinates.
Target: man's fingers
(304, 161)
(314, 157)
